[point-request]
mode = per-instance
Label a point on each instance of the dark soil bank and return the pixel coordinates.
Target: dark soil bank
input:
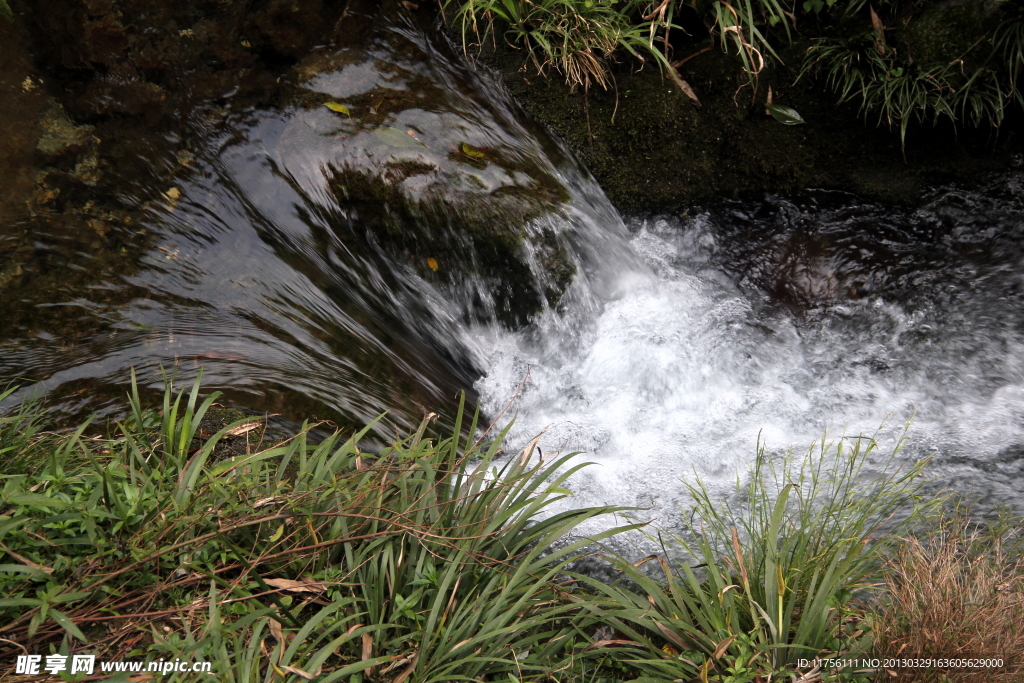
(650, 146)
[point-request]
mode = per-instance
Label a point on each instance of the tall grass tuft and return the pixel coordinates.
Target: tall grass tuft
(774, 575)
(578, 39)
(884, 85)
(20, 435)
(956, 592)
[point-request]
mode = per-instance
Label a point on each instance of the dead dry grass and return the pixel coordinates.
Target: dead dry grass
(955, 593)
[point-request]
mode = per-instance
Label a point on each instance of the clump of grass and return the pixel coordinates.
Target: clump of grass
(20, 434)
(576, 38)
(1008, 48)
(774, 576)
(957, 591)
(421, 562)
(898, 93)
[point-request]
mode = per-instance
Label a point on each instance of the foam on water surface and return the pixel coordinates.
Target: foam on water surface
(696, 356)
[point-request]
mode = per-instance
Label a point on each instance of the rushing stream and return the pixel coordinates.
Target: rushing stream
(782, 320)
(661, 346)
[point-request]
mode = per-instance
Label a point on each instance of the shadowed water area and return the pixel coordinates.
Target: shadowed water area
(426, 237)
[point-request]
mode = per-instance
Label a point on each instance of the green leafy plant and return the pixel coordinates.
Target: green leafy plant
(426, 556)
(1008, 48)
(5, 10)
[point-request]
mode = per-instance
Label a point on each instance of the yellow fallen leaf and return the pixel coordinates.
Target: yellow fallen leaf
(471, 151)
(173, 194)
(432, 264)
(338, 107)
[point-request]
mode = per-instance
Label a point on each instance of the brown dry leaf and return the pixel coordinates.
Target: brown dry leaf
(608, 643)
(367, 652)
(811, 676)
(524, 457)
(408, 670)
(293, 586)
(242, 429)
(395, 664)
(644, 561)
(408, 5)
(25, 561)
(299, 672)
(275, 630)
(722, 647)
(683, 85)
(459, 644)
(678, 640)
(879, 29)
(141, 678)
(267, 502)
(349, 632)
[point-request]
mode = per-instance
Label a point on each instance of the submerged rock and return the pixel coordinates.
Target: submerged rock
(60, 136)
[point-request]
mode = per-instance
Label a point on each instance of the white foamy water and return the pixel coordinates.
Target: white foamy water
(682, 362)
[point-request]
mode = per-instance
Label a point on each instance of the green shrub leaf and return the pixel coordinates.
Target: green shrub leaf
(785, 115)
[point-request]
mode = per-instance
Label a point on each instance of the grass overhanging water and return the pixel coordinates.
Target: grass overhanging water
(433, 560)
(900, 63)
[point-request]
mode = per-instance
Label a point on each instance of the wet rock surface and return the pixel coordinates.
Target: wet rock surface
(424, 174)
(189, 202)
